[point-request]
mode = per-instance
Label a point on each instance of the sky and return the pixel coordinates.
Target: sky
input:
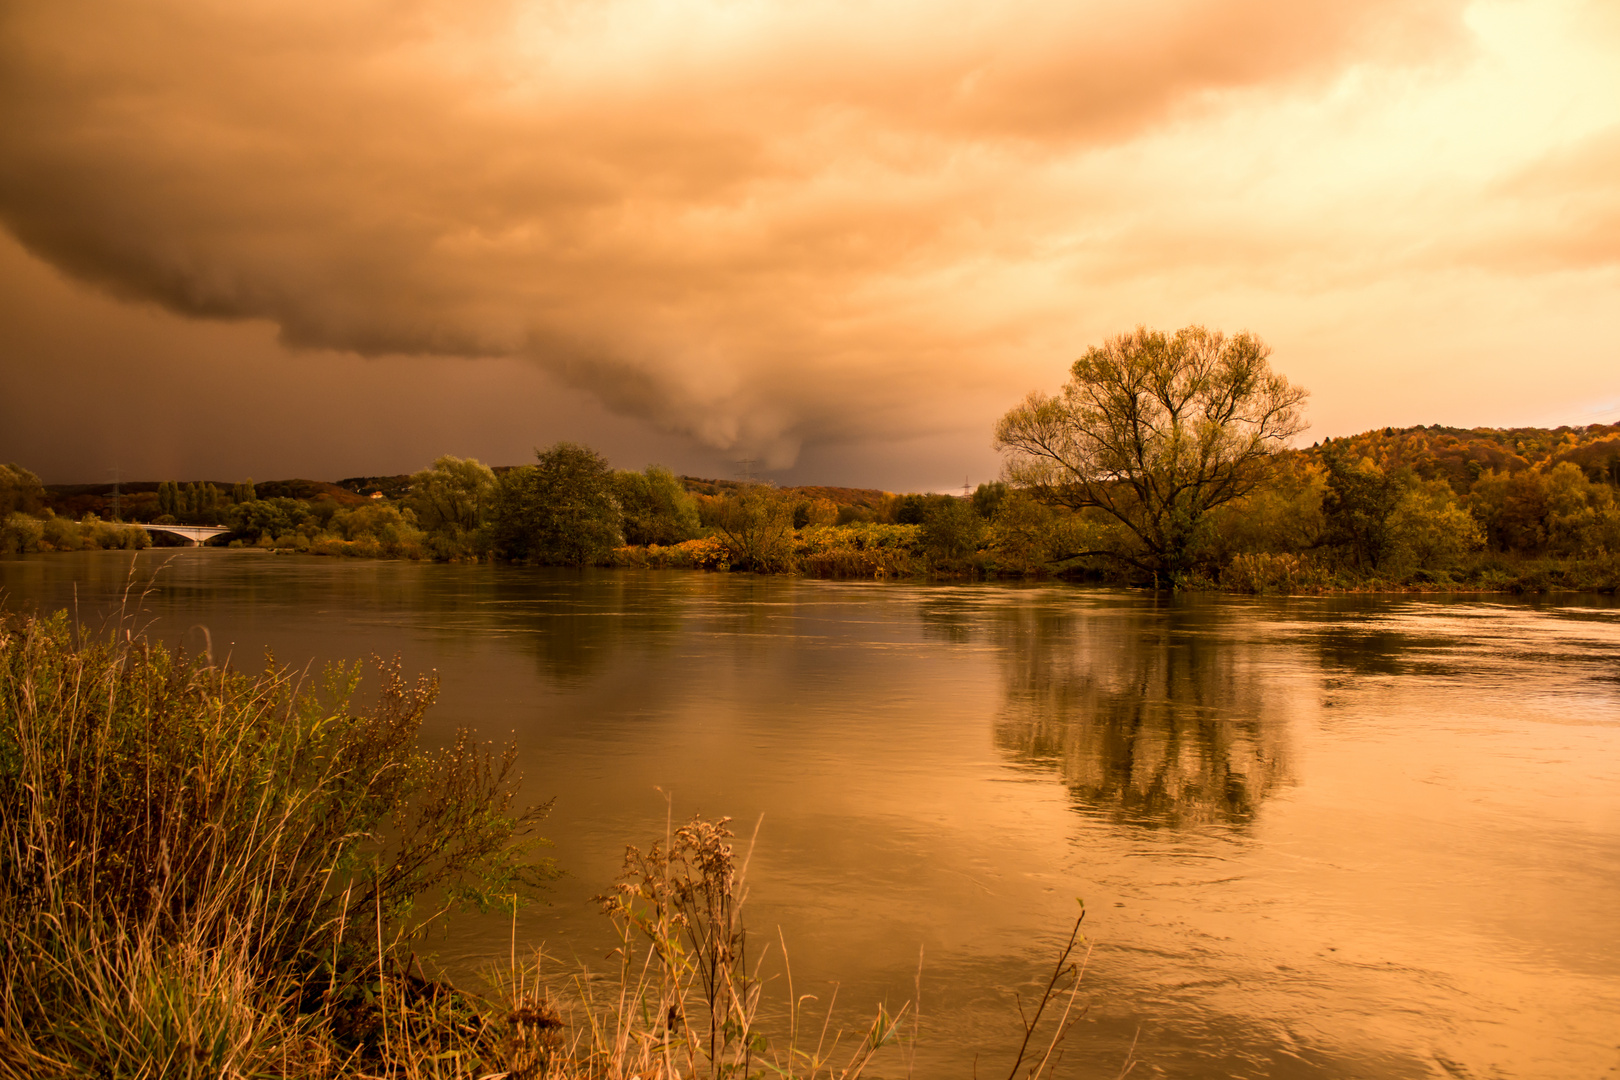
(820, 243)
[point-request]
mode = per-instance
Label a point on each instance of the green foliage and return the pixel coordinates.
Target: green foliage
(20, 490)
(1386, 509)
(323, 510)
(1023, 537)
(91, 534)
(559, 511)
(1357, 506)
(393, 530)
(860, 550)
(756, 525)
(1283, 514)
(912, 509)
(1583, 516)
(1428, 530)
(987, 498)
(265, 517)
(193, 859)
(1559, 511)
(1155, 431)
(657, 509)
(20, 533)
(454, 496)
(951, 529)
(1513, 508)
(195, 503)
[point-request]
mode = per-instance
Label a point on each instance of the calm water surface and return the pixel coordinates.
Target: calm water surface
(1315, 837)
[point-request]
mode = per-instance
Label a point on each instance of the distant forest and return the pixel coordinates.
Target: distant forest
(1423, 508)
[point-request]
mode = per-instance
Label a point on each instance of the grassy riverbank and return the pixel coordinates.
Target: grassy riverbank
(211, 873)
(207, 873)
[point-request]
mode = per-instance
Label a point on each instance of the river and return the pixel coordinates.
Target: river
(1315, 837)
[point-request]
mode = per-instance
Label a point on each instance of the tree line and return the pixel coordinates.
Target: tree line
(1164, 460)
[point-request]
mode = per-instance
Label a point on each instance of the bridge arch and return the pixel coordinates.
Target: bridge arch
(197, 534)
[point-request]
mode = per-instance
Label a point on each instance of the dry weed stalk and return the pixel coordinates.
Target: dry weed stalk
(688, 1000)
(1064, 970)
(206, 875)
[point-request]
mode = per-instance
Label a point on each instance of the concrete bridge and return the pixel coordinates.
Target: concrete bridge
(197, 534)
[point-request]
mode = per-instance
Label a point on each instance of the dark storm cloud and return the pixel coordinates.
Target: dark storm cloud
(761, 225)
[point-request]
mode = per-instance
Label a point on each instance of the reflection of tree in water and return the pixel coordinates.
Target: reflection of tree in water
(1153, 717)
(577, 625)
(580, 625)
(1373, 651)
(948, 618)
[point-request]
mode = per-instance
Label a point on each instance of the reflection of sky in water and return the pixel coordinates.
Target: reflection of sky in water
(1316, 837)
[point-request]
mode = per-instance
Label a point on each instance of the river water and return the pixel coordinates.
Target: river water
(1315, 837)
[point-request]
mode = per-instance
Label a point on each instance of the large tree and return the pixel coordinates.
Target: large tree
(1154, 431)
(657, 509)
(454, 495)
(20, 490)
(560, 510)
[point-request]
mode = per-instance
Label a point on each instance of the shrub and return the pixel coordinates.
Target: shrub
(1022, 537)
(987, 498)
(197, 865)
(95, 534)
(656, 508)
(756, 525)
(1263, 574)
(705, 553)
(20, 490)
(861, 550)
(20, 533)
(61, 534)
(951, 529)
(454, 495)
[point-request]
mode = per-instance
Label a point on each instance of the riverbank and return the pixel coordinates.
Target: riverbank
(878, 551)
(194, 875)
(206, 873)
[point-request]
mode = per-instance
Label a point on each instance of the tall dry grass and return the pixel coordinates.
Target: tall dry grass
(212, 874)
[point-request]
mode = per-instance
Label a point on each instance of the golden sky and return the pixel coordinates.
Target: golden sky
(340, 237)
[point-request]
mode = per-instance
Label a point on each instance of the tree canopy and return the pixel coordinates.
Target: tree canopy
(560, 510)
(453, 495)
(1154, 431)
(20, 489)
(657, 509)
